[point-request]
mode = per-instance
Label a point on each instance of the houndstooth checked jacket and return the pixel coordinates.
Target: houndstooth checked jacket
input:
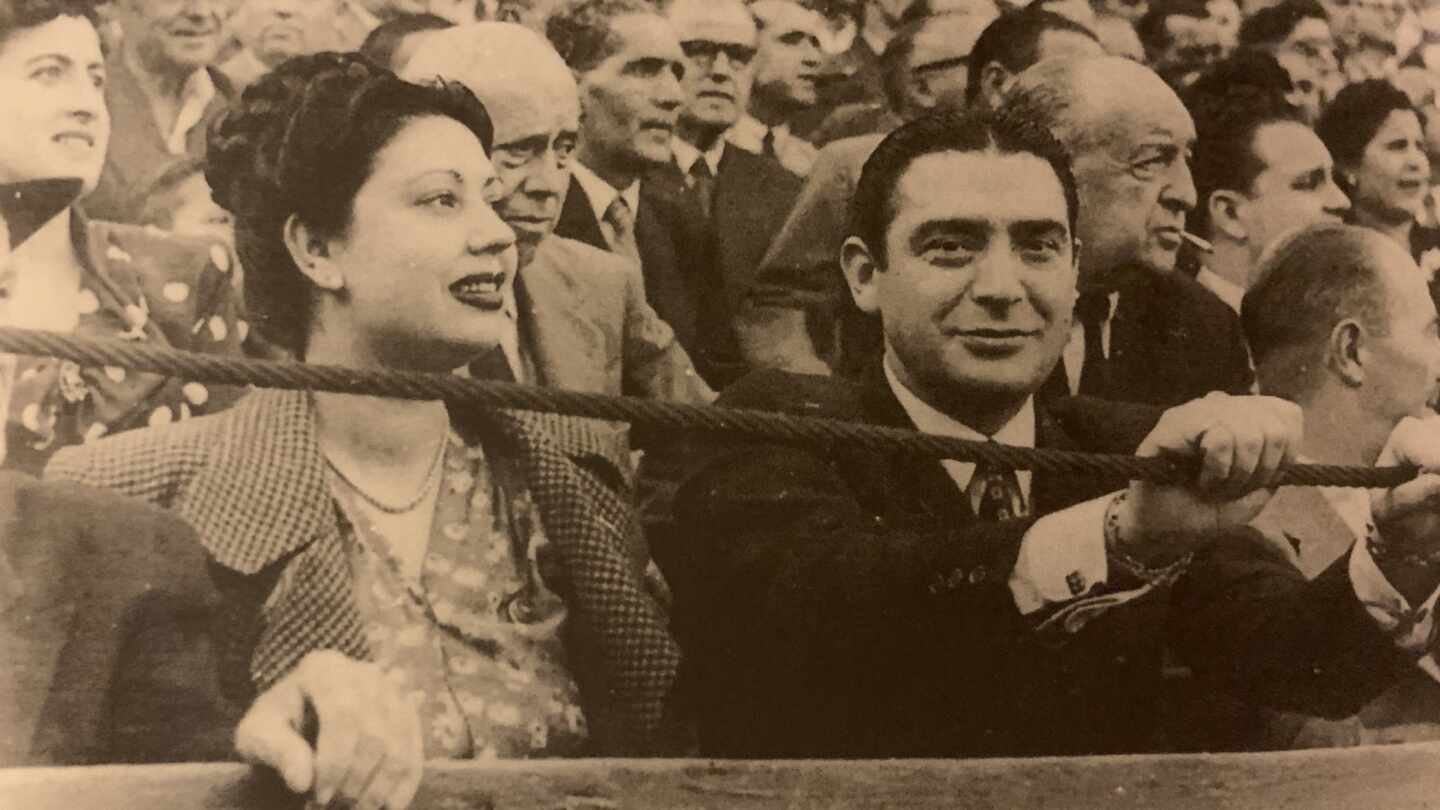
(251, 481)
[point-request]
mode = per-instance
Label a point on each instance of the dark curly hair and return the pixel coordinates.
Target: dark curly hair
(17, 15)
(301, 142)
(872, 208)
(1354, 117)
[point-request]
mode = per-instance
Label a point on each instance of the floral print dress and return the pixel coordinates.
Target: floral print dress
(475, 641)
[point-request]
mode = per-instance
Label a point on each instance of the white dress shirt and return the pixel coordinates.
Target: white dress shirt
(1074, 354)
(686, 155)
(1060, 548)
(793, 152)
(601, 193)
(196, 95)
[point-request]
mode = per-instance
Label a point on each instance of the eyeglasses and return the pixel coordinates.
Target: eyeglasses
(703, 52)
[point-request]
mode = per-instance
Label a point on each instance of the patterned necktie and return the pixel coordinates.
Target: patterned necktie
(621, 229)
(1093, 310)
(702, 185)
(995, 495)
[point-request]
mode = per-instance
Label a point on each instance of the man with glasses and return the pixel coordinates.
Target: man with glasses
(723, 202)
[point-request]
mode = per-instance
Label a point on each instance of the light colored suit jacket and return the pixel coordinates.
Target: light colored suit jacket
(251, 482)
(586, 325)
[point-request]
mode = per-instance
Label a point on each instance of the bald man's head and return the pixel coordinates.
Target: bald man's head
(533, 102)
(1130, 138)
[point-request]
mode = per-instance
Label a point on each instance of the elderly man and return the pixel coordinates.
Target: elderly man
(163, 90)
(582, 322)
(1259, 172)
(787, 64)
(1142, 332)
(724, 204)
(840, 601)
(1329, 607)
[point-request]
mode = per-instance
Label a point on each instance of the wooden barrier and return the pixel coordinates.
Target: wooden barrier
(1398, 776)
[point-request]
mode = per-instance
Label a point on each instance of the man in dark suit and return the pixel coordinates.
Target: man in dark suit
(1340, 322)
(723, 202)
(627, 62)
(845, 602)
(1142, 332)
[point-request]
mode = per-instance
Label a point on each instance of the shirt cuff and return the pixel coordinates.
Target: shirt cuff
(1062, 556)
(1409, 628)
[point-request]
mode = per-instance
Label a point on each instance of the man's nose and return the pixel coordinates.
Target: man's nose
(1337, 202)
(1179, 191)
(547, 177)
(997, 279)
(669, 95)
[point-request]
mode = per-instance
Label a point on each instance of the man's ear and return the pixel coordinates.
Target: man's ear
(860, 268)
(994, 81)
(311, 254)
(1224, 208)
(1347, 353)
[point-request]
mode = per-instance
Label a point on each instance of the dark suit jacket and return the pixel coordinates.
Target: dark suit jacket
(251, 481)
(1171, 341)
(720, 258)
(846, 603)
(106, 610)
(1246, 619)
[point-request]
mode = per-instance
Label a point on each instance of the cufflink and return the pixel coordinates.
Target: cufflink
(1077, 583)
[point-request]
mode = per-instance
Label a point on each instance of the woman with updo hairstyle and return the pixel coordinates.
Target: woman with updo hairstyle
(85, 277)
(1377, 139)
(479, 571)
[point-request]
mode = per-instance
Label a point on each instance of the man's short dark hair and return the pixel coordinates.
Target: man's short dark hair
(872, 208)
(1151, 27)
(17, 15)
(1272, 25)
(1230, 103)
(382, 43)
(1308, 282)
(581, 32)
(1353, 118)
(1013, 40)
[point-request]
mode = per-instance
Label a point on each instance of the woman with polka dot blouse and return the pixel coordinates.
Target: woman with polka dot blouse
(85, 277)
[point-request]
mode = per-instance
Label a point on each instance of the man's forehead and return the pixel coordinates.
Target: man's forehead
(949, 35)
(644, 35)
(788, 15)
(1129, 114)
(1291, 148)
(957, 185)
(518, 117)
(722, 21)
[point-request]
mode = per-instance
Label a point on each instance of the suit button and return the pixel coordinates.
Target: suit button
(979, 574)
(826, 522)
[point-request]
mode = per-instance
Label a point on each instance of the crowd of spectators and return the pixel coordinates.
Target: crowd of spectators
(1153, 227)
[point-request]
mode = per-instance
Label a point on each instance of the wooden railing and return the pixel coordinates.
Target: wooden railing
(1398, 776)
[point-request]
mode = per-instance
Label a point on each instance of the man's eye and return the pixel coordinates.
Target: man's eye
(950, 248)
(444, 199)
(1041, 248)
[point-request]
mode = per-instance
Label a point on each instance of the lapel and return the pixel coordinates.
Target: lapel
(661, 225)
(577, 218)
(1304, 526)
(916, 487)
(1047, 492)
(267, 449)
(557, 323)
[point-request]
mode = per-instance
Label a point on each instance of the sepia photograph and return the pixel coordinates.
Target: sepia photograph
(599, 404)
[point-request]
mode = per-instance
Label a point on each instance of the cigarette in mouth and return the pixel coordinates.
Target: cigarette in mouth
(1200, 244)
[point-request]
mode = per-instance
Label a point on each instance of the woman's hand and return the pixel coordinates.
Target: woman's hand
(368, 747)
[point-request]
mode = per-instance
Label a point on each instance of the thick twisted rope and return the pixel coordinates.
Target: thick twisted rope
(650, 415)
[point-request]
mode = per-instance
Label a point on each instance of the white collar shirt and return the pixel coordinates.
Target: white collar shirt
(1019, 431)
(601, 193)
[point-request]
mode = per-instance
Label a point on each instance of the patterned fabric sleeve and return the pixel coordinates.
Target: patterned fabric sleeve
(139, 284)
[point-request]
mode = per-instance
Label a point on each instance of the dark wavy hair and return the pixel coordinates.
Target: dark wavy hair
(872, 208)
(581, 32)
(301, 142)
(1354, 116)
(18, 15)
